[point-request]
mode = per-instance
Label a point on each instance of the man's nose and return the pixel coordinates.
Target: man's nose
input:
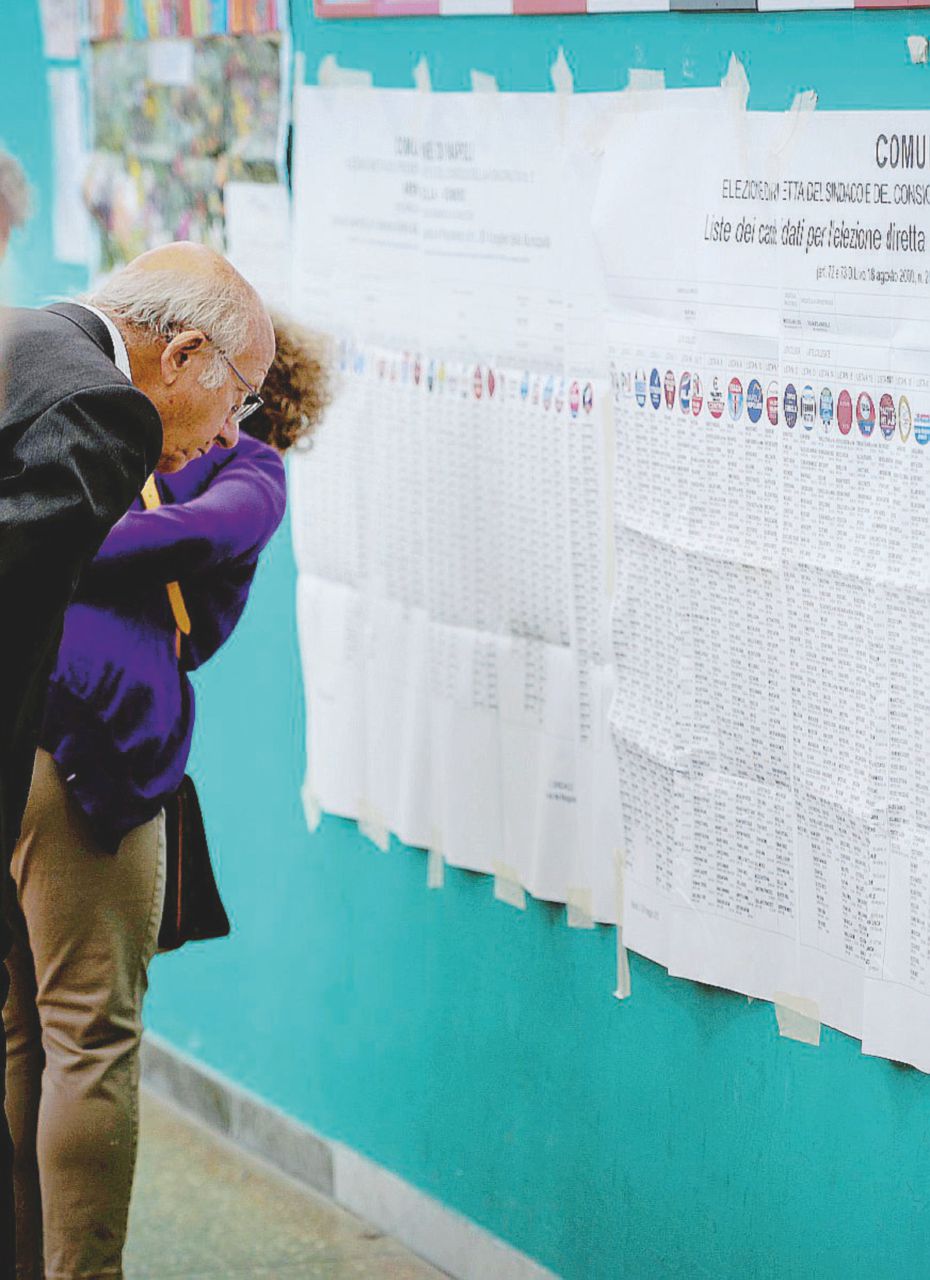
(229, 436)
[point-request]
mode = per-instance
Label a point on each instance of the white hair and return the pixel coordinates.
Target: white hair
(14, 190)
(167, 301)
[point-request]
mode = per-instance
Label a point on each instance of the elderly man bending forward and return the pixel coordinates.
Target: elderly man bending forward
(152, 372)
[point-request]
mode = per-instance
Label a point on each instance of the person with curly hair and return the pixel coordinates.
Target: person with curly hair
(89, 868)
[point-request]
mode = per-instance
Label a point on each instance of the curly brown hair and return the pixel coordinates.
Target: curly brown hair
(296, 391)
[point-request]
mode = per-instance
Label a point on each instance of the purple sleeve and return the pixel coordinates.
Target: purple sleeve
(230, 521)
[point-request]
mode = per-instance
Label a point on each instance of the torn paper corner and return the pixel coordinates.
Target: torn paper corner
(482, 82)
(421, 76)
(579, 913)
(736, 82)
(330, 75)
(561, 74)
(507, 887)
(798, 1017)
(435, 869)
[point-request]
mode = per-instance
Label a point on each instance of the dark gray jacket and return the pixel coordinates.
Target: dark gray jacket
(77, 442)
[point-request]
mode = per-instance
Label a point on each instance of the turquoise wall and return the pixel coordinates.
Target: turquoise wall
(30, 273)
(475, 1050)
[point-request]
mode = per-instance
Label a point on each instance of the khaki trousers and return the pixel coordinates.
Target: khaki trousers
(85, 926)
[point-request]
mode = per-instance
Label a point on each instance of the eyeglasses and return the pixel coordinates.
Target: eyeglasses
(252, 401)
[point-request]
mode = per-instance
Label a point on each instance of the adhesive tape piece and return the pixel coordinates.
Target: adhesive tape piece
(330, 75)
(481, 82)
(373, 827)
(561, 74)
(313, 810)
(421, 76)
(578, 911)
(919, 49)
(806, 100)
(435, 869)
(623, 960)
(507, 887)
(798, 1018)
(644, 80)
(736, 82)
(623, 967)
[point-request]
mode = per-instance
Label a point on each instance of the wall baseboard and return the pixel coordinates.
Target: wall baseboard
(442, 1236)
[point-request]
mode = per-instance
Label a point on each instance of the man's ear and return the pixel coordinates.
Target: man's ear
(177, 354)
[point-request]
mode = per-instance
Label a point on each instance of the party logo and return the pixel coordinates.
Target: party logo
(771, 403)
(639, 386)
(697, 395)
(826, 407)
(735, 398)
(715, 398)
(791, 405)
(905, 419)
(865, 413)
(684, 392)
(587, 397)
(655, 389)
(808, 408)
(754, 400)
(887, 417)
(670, 389)
(844, 413)
(574, 398)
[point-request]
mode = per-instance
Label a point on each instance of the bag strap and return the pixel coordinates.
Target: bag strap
(151, 500)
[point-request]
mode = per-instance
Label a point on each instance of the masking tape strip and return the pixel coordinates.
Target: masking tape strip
(507, 887)
(313, 810)
(918, 48)
(421, 76)
(736, 83)
(435, 869)
(805, 100)
(644, 80)
(481, 82)
(330, 75)
(623, 960)
(798, 1018)
(579, 913)
(373, 827)
(623, 967)
(561, 74)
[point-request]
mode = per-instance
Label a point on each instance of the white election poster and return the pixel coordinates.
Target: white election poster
(770, 338)
(452, 523)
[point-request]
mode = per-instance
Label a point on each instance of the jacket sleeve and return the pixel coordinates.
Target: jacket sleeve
(65, 477)
(72, 473)
(230, 521)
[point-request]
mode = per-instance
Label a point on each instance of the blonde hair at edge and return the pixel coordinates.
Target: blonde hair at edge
(166, 302)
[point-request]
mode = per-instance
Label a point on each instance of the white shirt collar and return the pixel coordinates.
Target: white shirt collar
(120, 354)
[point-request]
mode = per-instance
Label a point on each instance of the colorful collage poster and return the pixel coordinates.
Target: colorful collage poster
(149, 19)
(174, 120)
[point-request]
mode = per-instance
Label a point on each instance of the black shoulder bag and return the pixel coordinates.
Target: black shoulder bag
(193, 908)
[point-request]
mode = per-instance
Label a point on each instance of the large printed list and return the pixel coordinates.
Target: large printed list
(613, 549)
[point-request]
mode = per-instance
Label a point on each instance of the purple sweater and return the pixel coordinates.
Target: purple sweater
(120, 709)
